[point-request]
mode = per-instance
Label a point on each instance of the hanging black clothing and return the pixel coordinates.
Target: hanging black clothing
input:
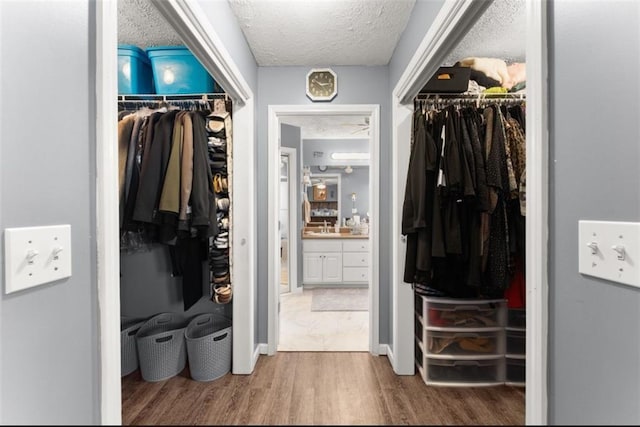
(459, 210)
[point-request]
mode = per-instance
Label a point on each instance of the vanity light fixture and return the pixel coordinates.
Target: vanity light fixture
(350, 156)
(321, 185)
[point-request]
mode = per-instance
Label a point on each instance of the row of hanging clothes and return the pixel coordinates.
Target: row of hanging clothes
(172, 157)
(465, 201)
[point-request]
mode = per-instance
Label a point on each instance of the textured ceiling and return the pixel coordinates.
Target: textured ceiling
(332, 32)
(322, 32)
(140, 24)
(499, 33)
(338, 127)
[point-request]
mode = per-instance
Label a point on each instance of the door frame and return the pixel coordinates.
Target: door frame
(275, 112)
(292, 244)
(193, 26)
(456, 17)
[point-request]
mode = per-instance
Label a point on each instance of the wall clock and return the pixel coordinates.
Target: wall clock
(322, 84)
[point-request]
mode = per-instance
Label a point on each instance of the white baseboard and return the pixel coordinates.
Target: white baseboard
(256, 356)
(263, 348)
(391, 357)
(392, 361)
(384, 350)
(335, 285)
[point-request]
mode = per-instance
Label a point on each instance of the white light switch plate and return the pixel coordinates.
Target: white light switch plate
(36, 255)
(597, 256)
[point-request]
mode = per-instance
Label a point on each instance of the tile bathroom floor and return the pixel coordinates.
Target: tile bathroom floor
(304, 330)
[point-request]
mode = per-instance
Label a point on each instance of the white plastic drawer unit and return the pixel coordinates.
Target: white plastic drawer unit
(516, 341)
(355, 259)
(322, 245)
(452, 372)
(356, 245)
(457, 313)
(516, 368)
(466, 345)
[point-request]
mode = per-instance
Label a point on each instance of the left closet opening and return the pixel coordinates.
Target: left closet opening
(175, 209)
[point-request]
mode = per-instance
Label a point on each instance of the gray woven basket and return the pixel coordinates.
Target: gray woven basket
(129, 326)
(161, 346)
(208, 347)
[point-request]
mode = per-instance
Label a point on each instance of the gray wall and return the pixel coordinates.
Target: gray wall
(356, 182)
(49, 337)
(422, 16)
(356, 85)
(227, 28)
(147, 287)
(290, 137)
(328, 146)
(594, 330)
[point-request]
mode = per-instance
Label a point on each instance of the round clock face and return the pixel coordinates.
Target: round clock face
(321, 85)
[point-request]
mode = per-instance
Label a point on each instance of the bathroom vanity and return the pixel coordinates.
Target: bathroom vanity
(330, 258)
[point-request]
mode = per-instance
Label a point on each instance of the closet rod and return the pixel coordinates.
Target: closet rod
(181, 97)
(470, 96)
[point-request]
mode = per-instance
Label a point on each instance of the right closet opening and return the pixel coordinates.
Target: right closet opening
(464, 210)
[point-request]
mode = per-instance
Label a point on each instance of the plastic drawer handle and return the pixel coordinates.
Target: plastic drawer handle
(221, 337)
(164, 339)
(466, 363)
(467, 307)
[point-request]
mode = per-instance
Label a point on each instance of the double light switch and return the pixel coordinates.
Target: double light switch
(36, 255)
(610, 250)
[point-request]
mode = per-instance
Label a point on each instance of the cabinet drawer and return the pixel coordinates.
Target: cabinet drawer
(355, 274)
(355, 259)
(465, 372)
(357, 245)
(458, 344)
(321, 246)
(452, 313)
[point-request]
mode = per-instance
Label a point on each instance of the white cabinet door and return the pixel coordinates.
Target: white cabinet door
(332, 267)
(312, 267)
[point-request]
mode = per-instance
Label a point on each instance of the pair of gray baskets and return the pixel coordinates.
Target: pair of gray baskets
(161, 346)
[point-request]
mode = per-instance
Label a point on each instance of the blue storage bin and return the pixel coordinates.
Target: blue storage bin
(177, 71)
(134, 71)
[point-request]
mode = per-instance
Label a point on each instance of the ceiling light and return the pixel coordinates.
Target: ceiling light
(350, 156)
(348, 169)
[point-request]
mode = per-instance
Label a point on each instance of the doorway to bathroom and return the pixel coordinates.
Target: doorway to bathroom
(334, 306)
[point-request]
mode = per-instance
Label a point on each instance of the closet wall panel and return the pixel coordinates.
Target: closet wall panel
(147, 287)
(594, 332)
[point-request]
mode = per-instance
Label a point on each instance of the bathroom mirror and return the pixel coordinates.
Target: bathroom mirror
(324, 198)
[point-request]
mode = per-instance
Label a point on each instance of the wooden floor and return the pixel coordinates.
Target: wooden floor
(316, 388)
